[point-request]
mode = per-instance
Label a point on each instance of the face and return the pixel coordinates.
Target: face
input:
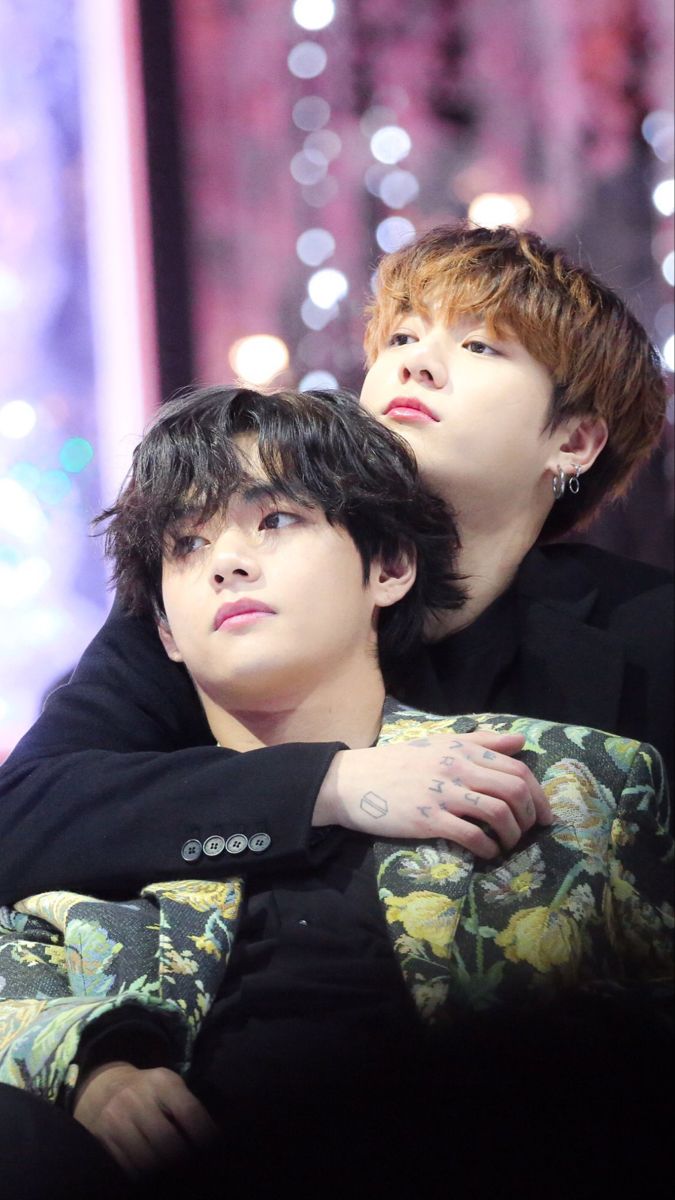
(267, 600)
(472, 406)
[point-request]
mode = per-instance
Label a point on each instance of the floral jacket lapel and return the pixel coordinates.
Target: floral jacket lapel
(423, 888)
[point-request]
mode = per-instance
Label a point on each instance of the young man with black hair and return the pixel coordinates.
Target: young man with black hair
(280, 542)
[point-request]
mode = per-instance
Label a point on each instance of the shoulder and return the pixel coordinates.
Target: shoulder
(612, 592)
(618, 577)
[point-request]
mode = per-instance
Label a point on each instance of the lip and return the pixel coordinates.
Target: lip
(408, 408)
(241, 612)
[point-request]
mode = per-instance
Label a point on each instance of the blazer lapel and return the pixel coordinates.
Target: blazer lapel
(570, 671)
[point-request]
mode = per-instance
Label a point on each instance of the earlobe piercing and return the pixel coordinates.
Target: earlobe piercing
(573, 483)
(559, 481)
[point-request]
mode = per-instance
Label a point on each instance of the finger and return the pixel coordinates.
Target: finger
(492, 812)
(471, 837)
(532, 789)
(190, 1117)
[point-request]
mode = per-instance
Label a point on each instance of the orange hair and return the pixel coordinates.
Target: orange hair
(600, 359)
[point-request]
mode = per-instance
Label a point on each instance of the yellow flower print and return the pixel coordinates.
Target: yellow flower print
(547, 939)
(426, 916)
(207, 944)
(583, 807)
(201, 895)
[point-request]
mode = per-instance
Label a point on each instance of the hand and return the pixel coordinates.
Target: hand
(146, 1119)
(436, 786)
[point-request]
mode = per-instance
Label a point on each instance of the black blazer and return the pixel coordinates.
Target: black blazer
(594, 637)
(92, 799)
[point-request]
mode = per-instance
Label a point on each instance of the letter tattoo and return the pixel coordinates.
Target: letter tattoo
(489, 754)
(374, 805)
(437, 786)
(447, 761)
(472, 798)
(424, 809)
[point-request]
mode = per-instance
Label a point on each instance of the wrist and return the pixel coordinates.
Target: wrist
(327, 808)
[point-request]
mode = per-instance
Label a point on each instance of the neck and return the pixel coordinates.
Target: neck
(326, 713)
(488, 561)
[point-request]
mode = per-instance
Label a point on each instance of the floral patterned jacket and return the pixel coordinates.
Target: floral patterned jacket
(587, 899)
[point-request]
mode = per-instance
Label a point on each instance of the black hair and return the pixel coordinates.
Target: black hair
(317, 448)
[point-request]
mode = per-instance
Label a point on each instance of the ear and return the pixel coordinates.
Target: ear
(577, 443)
(390, 581)
(166, 638)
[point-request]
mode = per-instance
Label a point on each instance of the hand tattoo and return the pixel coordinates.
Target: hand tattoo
(374, 805)
(424, 809)
(437, 786)
(447, 761)
(472, 798)
(490, 754)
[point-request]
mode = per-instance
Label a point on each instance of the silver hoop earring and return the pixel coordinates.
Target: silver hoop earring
(573, 483)
(559, 482)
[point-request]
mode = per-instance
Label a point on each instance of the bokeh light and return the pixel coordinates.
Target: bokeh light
(307, 60)
(317, 318)
(394, 232)
(318, 380)
(258, 358)
(308, 167)
(668, 268)
(17, 419)
(399, 188)
(311, 112)
(76, 454)
(668, 353)
(390, 144)
(313, 14)
(327, 286)
(314, 246)
(491, 209)
(663, 197)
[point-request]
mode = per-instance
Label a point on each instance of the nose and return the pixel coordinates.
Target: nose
(233, 559)
(424, 362)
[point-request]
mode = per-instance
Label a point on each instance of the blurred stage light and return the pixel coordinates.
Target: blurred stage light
(11, 290)
(313, 14)
(22, 582)
(17, 419)
(668, 353)
(27, 474)
(317, 318)
(76, 454)
(20, 513)
(325, 141)
(668, 268)
(318, 380)
(657, 130)
(394, 232)
(499, 208)
(398, 188)
(326, 287)
(258, 358)
(663, 197)
(307, 60)
(311, 112)
(53, 487)
(308, 167)
(390, 144)
(314, 246)
(375, 118)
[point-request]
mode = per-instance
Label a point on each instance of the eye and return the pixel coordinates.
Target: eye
(279, 520)
(476, 346)
(186, 544)
(401, 338)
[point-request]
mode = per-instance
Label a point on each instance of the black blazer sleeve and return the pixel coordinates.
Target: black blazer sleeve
(121, 770)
